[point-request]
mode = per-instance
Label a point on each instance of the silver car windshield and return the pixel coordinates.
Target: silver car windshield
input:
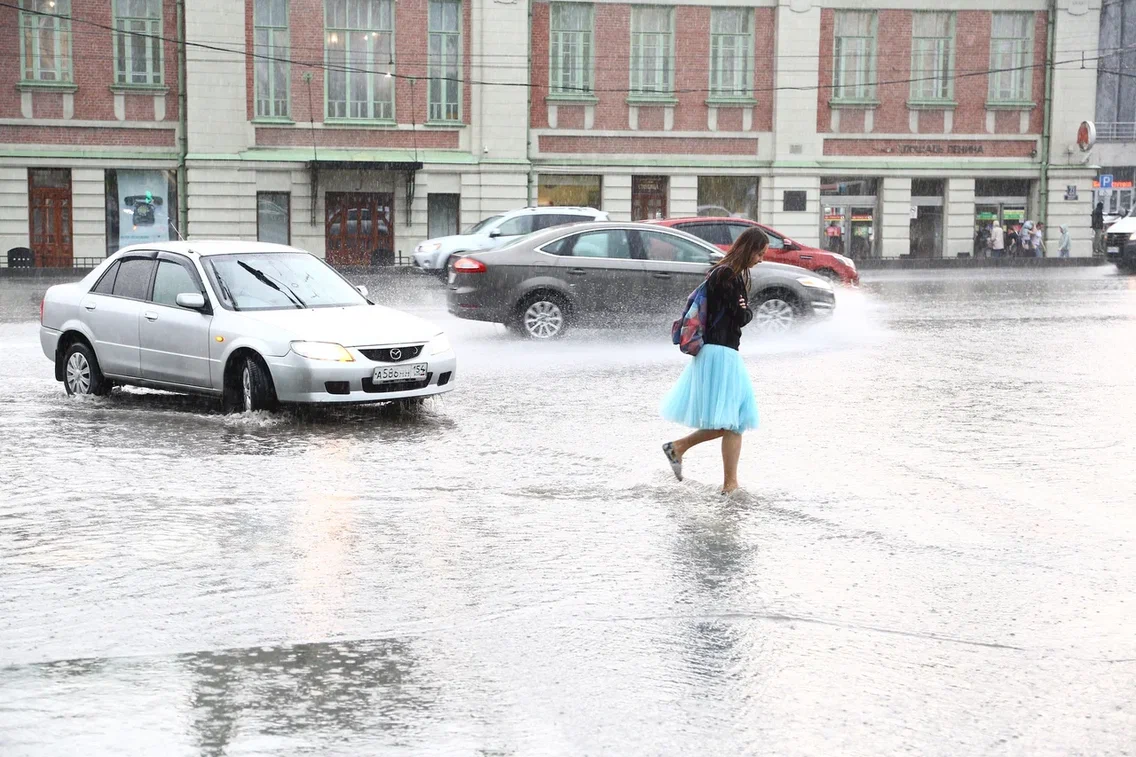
(482, 224)
(278, 281)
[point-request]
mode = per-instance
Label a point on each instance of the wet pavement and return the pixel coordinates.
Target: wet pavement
(934, 553)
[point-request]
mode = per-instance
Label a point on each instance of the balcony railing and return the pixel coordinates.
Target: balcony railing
(1117, 131)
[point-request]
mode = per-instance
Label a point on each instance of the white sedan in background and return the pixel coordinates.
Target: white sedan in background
(251, 323)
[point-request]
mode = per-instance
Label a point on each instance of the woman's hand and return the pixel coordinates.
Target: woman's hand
(743, 302)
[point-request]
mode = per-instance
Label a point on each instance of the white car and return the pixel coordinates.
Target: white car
(496, 231)
(251, 323)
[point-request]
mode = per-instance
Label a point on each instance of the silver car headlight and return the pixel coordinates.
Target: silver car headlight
(438, 345)
(813, 282)
(429, 247)
(323, 351)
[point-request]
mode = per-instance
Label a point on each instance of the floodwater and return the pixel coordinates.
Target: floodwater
(935, 551)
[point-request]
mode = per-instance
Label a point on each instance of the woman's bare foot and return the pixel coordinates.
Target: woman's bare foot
(729, 488)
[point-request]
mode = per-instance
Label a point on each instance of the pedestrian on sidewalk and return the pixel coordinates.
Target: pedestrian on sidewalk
(1039, 240)
(1025, 239)
(1012, 240)
(714, 394)
(1098, 230)
(1065, 243)
(997, 241)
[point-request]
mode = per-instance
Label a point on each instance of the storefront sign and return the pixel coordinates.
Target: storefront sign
(1111, 184)
(1071, 192)
(143, 207)
(950, 148)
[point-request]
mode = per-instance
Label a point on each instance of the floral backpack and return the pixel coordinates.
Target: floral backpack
(689, 332)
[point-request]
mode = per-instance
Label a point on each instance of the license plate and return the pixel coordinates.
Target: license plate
(415, 372)
(1113, 250)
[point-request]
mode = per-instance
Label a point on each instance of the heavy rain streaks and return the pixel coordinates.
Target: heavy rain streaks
(933, 552)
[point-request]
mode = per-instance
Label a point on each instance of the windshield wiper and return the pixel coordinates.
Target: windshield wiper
(225, 289)
(281, 287)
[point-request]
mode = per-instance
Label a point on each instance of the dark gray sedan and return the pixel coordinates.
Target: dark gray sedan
(542, 283)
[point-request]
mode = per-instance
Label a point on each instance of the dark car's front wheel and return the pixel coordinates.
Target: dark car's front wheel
(776, 312)
(543, 316)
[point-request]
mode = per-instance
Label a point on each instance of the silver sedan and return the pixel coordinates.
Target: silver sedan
(253, 324)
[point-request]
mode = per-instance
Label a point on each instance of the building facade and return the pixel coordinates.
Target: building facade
(357, 128)
(1116, 105)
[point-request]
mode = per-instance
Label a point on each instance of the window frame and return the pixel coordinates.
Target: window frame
(30, 24)
(152, 258)
(1022, 75)
(272, 48)
(185, 263)
(582, 39)
(642, 236)
(433, 64)
(921, 48)
(573, 237)
(717, 73)
(155, 69)
(864, 91)
(664, 59)
(374, 66)
(287, 207)
(112, 272)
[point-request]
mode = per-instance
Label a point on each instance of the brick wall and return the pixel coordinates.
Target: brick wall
(893, 64)
(647, 145)
(538, 66)
(972, 53)
(825, 40)
(92, 60)
(438, 139)
(613, 64)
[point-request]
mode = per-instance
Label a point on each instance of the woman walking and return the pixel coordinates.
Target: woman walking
(714, 394)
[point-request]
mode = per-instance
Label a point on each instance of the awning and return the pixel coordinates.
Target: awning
(408, 167)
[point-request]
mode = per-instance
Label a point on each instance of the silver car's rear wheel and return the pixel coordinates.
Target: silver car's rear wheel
(81, 374)
(775, 315)
(544, 318)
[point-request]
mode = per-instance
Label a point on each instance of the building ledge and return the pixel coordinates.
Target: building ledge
(139, 89)
(273, 121)
(360, 123)
(1010, 105)
(931, 104)
(731, 102)
(854, 103)
(47, 86)
(652, 100)
(571, 98)
(440, 125)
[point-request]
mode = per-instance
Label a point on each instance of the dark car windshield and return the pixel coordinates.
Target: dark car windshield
(278, 281)
(482, 224)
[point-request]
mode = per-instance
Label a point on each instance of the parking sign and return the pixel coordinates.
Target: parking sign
(1106, 181)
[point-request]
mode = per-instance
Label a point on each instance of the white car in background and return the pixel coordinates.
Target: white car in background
(434, 255)
(253, 324)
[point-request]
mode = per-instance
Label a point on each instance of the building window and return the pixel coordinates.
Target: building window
(360, 57)
(731, 52)
(141, 207)
(138, 43)
(271, 46)
(570, 191)
(445, 60)
(570, 48)
(932, 56)
(652, 51)
(274, 217)
(854, 63)
(1011, 54)
(45, 40)
(727, 196)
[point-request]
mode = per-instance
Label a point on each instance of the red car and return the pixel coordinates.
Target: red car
(722, 232)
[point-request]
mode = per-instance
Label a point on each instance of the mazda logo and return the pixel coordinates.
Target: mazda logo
(396, 354)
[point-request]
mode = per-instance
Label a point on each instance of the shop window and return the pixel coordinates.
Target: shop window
(270, 69)
(570, 191)
(141, 207)
(138, 44)
(360, 52)
(445, 60)
(648, 197)
(442, 212)
(274, 217)
(727, 196)
(45, 40)
(848, 185)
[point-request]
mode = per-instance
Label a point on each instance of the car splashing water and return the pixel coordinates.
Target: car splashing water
(933, 552)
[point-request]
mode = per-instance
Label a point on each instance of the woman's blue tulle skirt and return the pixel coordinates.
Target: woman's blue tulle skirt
(714, 392)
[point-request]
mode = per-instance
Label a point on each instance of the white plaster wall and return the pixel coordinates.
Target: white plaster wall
(217, 112)
(13, 207)
(1077, 214)
(500, 113)
(617, 196)
(802, 227)
(895, 220)
(959, 218)
(222, 200)
(88, 212)
(683, 196)
(796, 65)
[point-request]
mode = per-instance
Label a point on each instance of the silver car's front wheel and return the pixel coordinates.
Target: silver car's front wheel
(775, 315)
(544, 318)
(246, 388)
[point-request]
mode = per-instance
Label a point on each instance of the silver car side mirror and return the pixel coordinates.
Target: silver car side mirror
(361, 290)
(191, 300)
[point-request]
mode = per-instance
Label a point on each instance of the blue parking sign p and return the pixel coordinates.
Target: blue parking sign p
(1106, 181)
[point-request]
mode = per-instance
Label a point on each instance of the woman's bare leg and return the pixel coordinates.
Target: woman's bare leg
(731, 453)
(683, 445)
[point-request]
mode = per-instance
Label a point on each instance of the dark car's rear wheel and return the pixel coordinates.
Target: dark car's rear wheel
(776, 312)
(543, 316)
(81, 373)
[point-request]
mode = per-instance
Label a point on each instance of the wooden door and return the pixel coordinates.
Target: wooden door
(648, 197)
(360, 228)
(49, 217)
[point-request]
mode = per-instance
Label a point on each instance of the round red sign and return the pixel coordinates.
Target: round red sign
(1086, 136)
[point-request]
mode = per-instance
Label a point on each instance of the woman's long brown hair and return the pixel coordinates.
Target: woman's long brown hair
(746, 252)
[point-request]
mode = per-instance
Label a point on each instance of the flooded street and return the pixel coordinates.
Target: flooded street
(934, 553)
